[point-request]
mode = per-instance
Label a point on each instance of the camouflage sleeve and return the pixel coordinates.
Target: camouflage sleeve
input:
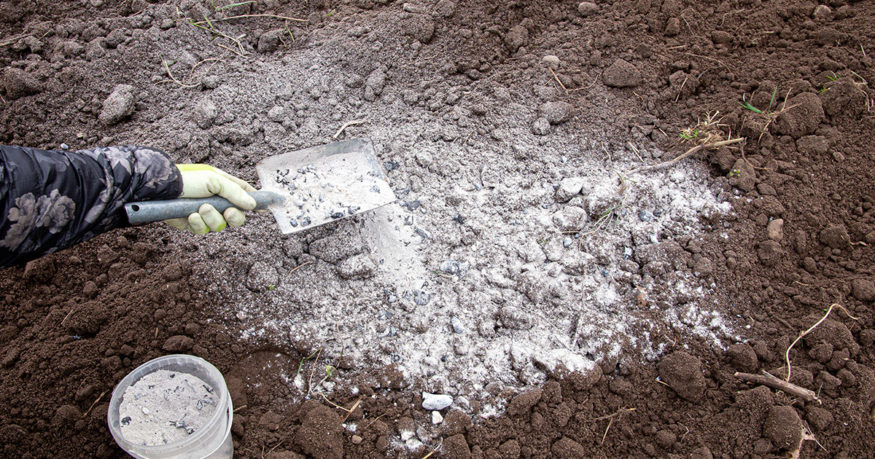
(50, 200)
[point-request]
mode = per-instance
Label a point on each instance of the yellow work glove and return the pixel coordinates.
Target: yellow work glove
(203, 181)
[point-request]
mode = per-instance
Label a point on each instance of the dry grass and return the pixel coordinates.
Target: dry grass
(707, 134)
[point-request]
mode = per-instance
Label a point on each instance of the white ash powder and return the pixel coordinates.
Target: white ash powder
(164, 407)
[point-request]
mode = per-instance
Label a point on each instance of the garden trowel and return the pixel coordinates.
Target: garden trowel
(302, 189)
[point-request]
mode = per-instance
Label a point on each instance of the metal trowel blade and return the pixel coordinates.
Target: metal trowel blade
(324, 184)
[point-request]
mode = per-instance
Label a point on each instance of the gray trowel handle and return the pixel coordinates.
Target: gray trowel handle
(156, 211)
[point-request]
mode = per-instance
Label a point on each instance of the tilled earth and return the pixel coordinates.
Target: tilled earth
(487, 116)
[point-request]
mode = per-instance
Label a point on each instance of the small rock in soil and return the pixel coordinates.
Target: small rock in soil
(803, 116)
(65, 415)
(665, 439)
(87, 319)
(18, 83)
(672, 27)
(551, 61)
(843, 97)
(510, 448)
(522, 403)
(835, 236)
(743, 357)
(586, 9)
(456, 447)
(863, 289)
(770, 252)
(178, 343)
(436, 402)
(570, 218)
(11, 357)
(822, 352)
(833, 332)
(293, 248)
(269, 41)
(455, 422)
(775, 229)
(541, 126)
(419, 27)
(556, 112)
(566, 448)
(436, 417)
(205, 113)
(374, 84)
(783, 427)
(812, 145)
(356, 267)
(819, 418)
(516, 37)
(683, 373)
(621, 74)
(321, 434)
(119, 105)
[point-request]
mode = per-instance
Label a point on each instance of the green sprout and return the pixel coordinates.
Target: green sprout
(735, 173)
(749, 106)
(271, 287)
(690, 134)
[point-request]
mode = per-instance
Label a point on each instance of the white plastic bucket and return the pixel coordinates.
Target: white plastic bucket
(213, 440)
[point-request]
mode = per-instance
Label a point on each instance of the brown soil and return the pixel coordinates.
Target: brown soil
(73, 324)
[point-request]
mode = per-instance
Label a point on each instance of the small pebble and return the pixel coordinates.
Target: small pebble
(436, 402)
(436, 417)
(645, 215)
(457, 325)
(567, 241)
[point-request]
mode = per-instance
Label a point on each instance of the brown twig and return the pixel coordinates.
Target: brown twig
(767, 379)
(351, 409)
(272, 449)
(605, 435)
(686, 154)
(240, 408)
(619, 412)
(610, 419)
(441, 443)
(557, 80)
(787, 354)
(312, 371)
(346, 125)
(173, 78)
(300, 266)
(375, 420)
(94, 403)
(72, 310)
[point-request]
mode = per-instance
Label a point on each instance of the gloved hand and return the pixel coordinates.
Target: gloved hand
(203, 181)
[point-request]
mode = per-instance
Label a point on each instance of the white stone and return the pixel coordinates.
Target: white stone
(436, 402)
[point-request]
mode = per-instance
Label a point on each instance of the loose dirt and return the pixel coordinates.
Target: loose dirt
(567, 300)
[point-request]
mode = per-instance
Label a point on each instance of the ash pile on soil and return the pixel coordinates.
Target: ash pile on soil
(506, 259)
